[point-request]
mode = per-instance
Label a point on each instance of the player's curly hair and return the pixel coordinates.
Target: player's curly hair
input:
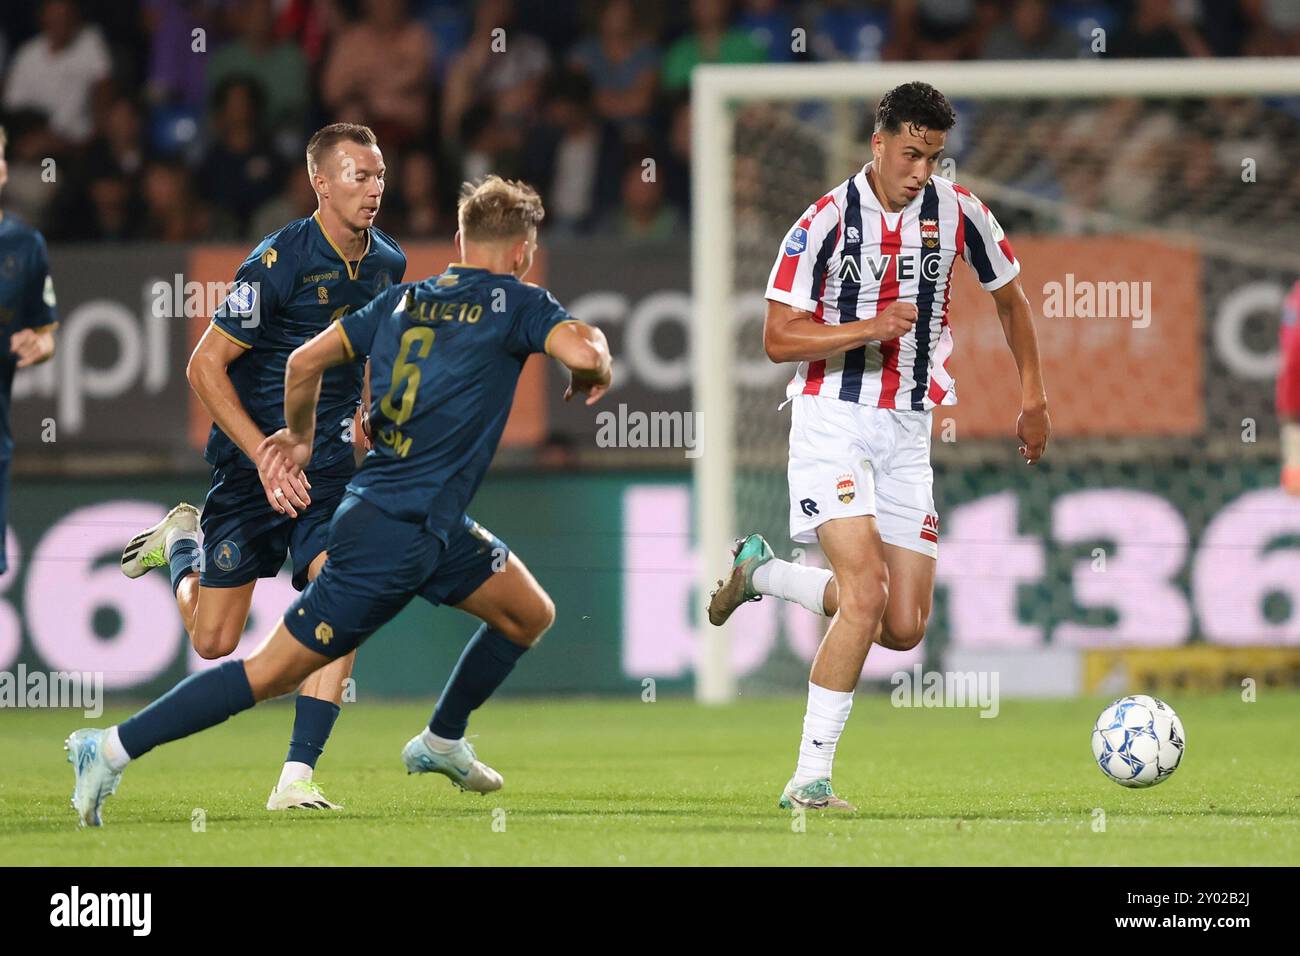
(914, 104)
(497, 209)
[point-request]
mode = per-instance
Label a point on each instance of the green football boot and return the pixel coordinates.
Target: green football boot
(817, 795)
(751, 553)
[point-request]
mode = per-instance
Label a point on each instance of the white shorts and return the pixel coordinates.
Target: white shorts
(848, 460)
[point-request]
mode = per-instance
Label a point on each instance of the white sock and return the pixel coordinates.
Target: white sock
(114, 752)
(293, 770)
(174, 537)
(828, 711)
(799, 583)
(439, 745)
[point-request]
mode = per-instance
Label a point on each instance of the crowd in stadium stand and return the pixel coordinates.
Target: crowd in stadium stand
(157, 131)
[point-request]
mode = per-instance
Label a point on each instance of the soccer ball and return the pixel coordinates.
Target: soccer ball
(1138, 741)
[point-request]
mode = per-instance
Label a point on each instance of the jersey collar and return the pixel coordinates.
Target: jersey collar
(352, 273)
(869, 198)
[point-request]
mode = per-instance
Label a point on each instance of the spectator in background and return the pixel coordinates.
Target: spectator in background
(486, 145)
(297, 200)
(118, 149)
(114, 210)
(382, 68)
(498, 64)
(175, 69)
(308, 25)
(769, 25)
(845, 30)
(936, 29)
(172, 213)
(570, 154)
(1273, 27)
(1155, 29)
(419, 214)
(1029, 34)
(645, 217)
(239, 171)
(278, 67)
(55, 72)
(622, 66)
(675, 165)
(710, 41)
(92, 204)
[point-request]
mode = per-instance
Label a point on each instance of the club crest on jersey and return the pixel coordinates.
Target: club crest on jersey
(797, 241)
(930, 233)
(930, 528)
(241, 298)
(845, 490)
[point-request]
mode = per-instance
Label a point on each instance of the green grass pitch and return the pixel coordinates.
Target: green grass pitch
(611, 782)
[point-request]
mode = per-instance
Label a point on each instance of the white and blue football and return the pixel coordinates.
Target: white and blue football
(1138, 741)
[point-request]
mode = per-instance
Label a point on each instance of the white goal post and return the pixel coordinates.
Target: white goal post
(715, 93)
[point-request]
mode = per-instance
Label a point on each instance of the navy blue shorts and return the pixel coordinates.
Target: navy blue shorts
(244, 538)
(377, 564)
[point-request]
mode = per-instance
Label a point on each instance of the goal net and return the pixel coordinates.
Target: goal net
(1155, 210)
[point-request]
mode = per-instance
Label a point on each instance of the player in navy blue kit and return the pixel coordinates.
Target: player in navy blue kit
(27, 320)
(445, 356)
(297, 282)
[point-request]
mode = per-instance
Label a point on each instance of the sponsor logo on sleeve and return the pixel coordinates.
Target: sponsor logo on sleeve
(797, 241)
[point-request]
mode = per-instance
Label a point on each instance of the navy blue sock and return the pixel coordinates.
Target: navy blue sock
(198, 702)
(313, 720)
(487, 660)
(182, 561)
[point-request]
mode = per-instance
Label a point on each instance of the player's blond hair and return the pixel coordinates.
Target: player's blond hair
(497, 209)
(327, 137)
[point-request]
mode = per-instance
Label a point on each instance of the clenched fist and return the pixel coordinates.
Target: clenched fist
(897, 320)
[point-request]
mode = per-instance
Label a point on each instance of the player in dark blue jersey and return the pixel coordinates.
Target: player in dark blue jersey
(27, 320)
(445, 355)
(296, 282)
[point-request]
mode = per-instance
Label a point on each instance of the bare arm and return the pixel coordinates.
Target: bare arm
(208, 375)
(1033, 426)
(582, 349)
(792, 335)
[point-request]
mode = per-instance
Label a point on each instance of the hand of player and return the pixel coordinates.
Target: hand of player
(280, 461)
(31, 347)
(593, 388)
(897, 320)
(367, 431)
(1033, 428)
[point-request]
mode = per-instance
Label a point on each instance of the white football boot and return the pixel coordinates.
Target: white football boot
(300, 795)
(460, 765)
(148, 549)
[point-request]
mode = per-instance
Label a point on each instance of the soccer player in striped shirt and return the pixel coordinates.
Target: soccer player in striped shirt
(858, 296)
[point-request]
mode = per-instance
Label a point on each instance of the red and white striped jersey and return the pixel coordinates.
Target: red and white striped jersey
(847, 259)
